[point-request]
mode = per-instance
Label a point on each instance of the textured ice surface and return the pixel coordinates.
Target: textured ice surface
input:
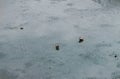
(30, 30)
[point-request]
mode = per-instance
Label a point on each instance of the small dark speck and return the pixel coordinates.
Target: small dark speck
(115, 56)
(57, 47)
(81, 40)
(21, 28)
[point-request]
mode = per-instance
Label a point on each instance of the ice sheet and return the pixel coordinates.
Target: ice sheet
(30, 30)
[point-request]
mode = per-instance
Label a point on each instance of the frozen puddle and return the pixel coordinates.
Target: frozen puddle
(59, 39)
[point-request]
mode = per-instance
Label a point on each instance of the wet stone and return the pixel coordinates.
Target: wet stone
(57, 47)
(81, 40)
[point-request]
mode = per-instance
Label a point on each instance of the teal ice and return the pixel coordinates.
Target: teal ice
(30, 30)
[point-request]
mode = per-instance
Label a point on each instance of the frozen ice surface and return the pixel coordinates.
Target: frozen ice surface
(30, 30)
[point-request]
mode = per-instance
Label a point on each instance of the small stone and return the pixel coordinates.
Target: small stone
(57, 47)
(115, 56)
(21, 28)
(81, 40)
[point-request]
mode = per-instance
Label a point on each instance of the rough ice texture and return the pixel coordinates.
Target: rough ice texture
(30, 30)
